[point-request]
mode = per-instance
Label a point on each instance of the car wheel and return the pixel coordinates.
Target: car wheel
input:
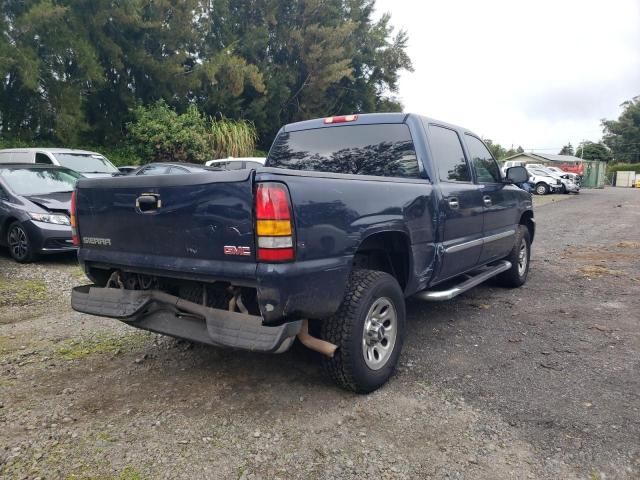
(519, 257)
(368, 329)
(20, 246)
(563, 189)
(542, 188)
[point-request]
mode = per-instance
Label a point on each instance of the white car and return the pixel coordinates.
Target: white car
(574, 177)
(543, 182)
(89, 164)
(236, 163)
(568, 185)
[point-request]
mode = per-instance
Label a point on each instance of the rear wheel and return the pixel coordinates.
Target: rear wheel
(519, 257)
(542, 188)
(20, 246)
(368, 329)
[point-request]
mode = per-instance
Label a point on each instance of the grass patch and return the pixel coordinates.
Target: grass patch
(22, 292)
(627, 244)
(599, 271)
(100, 344)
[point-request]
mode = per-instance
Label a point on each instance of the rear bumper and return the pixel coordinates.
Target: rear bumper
(160, 312)
(310, 289)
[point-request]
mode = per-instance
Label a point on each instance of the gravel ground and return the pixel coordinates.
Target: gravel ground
(539, 382)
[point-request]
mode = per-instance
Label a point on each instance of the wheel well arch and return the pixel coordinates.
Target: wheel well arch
(388, 251)
(526, 219)
(4, 228)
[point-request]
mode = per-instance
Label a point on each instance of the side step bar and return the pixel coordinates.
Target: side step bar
(440, 295)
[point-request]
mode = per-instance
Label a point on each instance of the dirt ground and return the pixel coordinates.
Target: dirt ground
(538, 382)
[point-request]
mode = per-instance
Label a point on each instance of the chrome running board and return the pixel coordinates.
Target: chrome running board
(440, 295)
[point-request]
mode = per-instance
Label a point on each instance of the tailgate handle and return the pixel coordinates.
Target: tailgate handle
(148, 202)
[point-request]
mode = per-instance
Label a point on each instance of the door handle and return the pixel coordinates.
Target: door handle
(487, 201)
(148, 202)
(453, 203)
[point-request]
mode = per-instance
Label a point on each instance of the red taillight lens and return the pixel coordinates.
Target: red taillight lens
(274, 228)
(272, 202)
(74, 225)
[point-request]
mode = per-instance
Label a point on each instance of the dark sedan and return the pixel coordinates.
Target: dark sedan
(34, 209)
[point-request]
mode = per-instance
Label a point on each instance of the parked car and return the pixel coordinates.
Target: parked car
(127, 169)
(567, 184)
(350, 215)
(543, 182)
(238, 163)
(89, 164)
(574, 177)
(34, 209)
(168, 168)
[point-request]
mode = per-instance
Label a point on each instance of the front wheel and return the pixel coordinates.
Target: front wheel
(368, 329)
(542, 188)
(519, 257)
(20, 245)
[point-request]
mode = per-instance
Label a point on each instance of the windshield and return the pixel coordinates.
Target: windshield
(85, 162)
(38, 181)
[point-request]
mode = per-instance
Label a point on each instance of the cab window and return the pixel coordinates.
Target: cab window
(448, 155)
(487, 170)
(42, 158)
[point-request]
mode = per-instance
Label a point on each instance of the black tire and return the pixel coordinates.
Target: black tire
(541, 188)
(20, 245)
(563, 189)
(516, 276)
(350, 365)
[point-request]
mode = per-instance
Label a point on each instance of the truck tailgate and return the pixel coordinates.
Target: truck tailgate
(195, 216)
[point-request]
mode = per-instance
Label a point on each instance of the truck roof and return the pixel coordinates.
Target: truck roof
(368, 119)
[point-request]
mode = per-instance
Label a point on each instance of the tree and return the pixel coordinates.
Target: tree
(566, 150)
(593, 151)
(496, 149)
(622, 136)
(159, 134)
(74, 71)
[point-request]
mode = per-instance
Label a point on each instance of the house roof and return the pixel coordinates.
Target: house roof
(545, 156)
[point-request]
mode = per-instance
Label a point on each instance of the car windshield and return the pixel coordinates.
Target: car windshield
(85, 162)
(38, 181)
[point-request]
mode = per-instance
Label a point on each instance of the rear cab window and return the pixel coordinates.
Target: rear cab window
(448, 155)
(384, 150)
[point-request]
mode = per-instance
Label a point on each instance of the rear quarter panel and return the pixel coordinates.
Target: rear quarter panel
(335, 213)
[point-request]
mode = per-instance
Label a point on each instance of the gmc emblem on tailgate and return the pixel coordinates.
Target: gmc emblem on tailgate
(242, 251)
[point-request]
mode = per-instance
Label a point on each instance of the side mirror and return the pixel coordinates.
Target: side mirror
(517, 174)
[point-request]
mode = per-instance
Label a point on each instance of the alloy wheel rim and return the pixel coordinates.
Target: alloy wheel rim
(522, 258)
(18, 242)
(379, 333)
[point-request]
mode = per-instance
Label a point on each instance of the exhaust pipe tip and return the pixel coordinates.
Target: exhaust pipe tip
(327, 349)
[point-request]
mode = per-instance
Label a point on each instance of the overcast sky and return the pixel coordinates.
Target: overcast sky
(535, 73)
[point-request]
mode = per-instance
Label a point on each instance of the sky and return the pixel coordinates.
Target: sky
(537, 74)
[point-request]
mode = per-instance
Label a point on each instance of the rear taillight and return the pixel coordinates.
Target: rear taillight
(274, 226)
(74, 224)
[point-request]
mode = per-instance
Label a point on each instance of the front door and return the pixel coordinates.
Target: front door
(460, 205)
(500, 202)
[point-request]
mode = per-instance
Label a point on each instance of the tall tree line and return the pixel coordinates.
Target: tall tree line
(72, 71)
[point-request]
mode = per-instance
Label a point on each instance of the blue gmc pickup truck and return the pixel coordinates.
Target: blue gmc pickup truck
(350, 215)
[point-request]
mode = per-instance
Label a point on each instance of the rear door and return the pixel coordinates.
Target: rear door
(460, 205)
(500, 202)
